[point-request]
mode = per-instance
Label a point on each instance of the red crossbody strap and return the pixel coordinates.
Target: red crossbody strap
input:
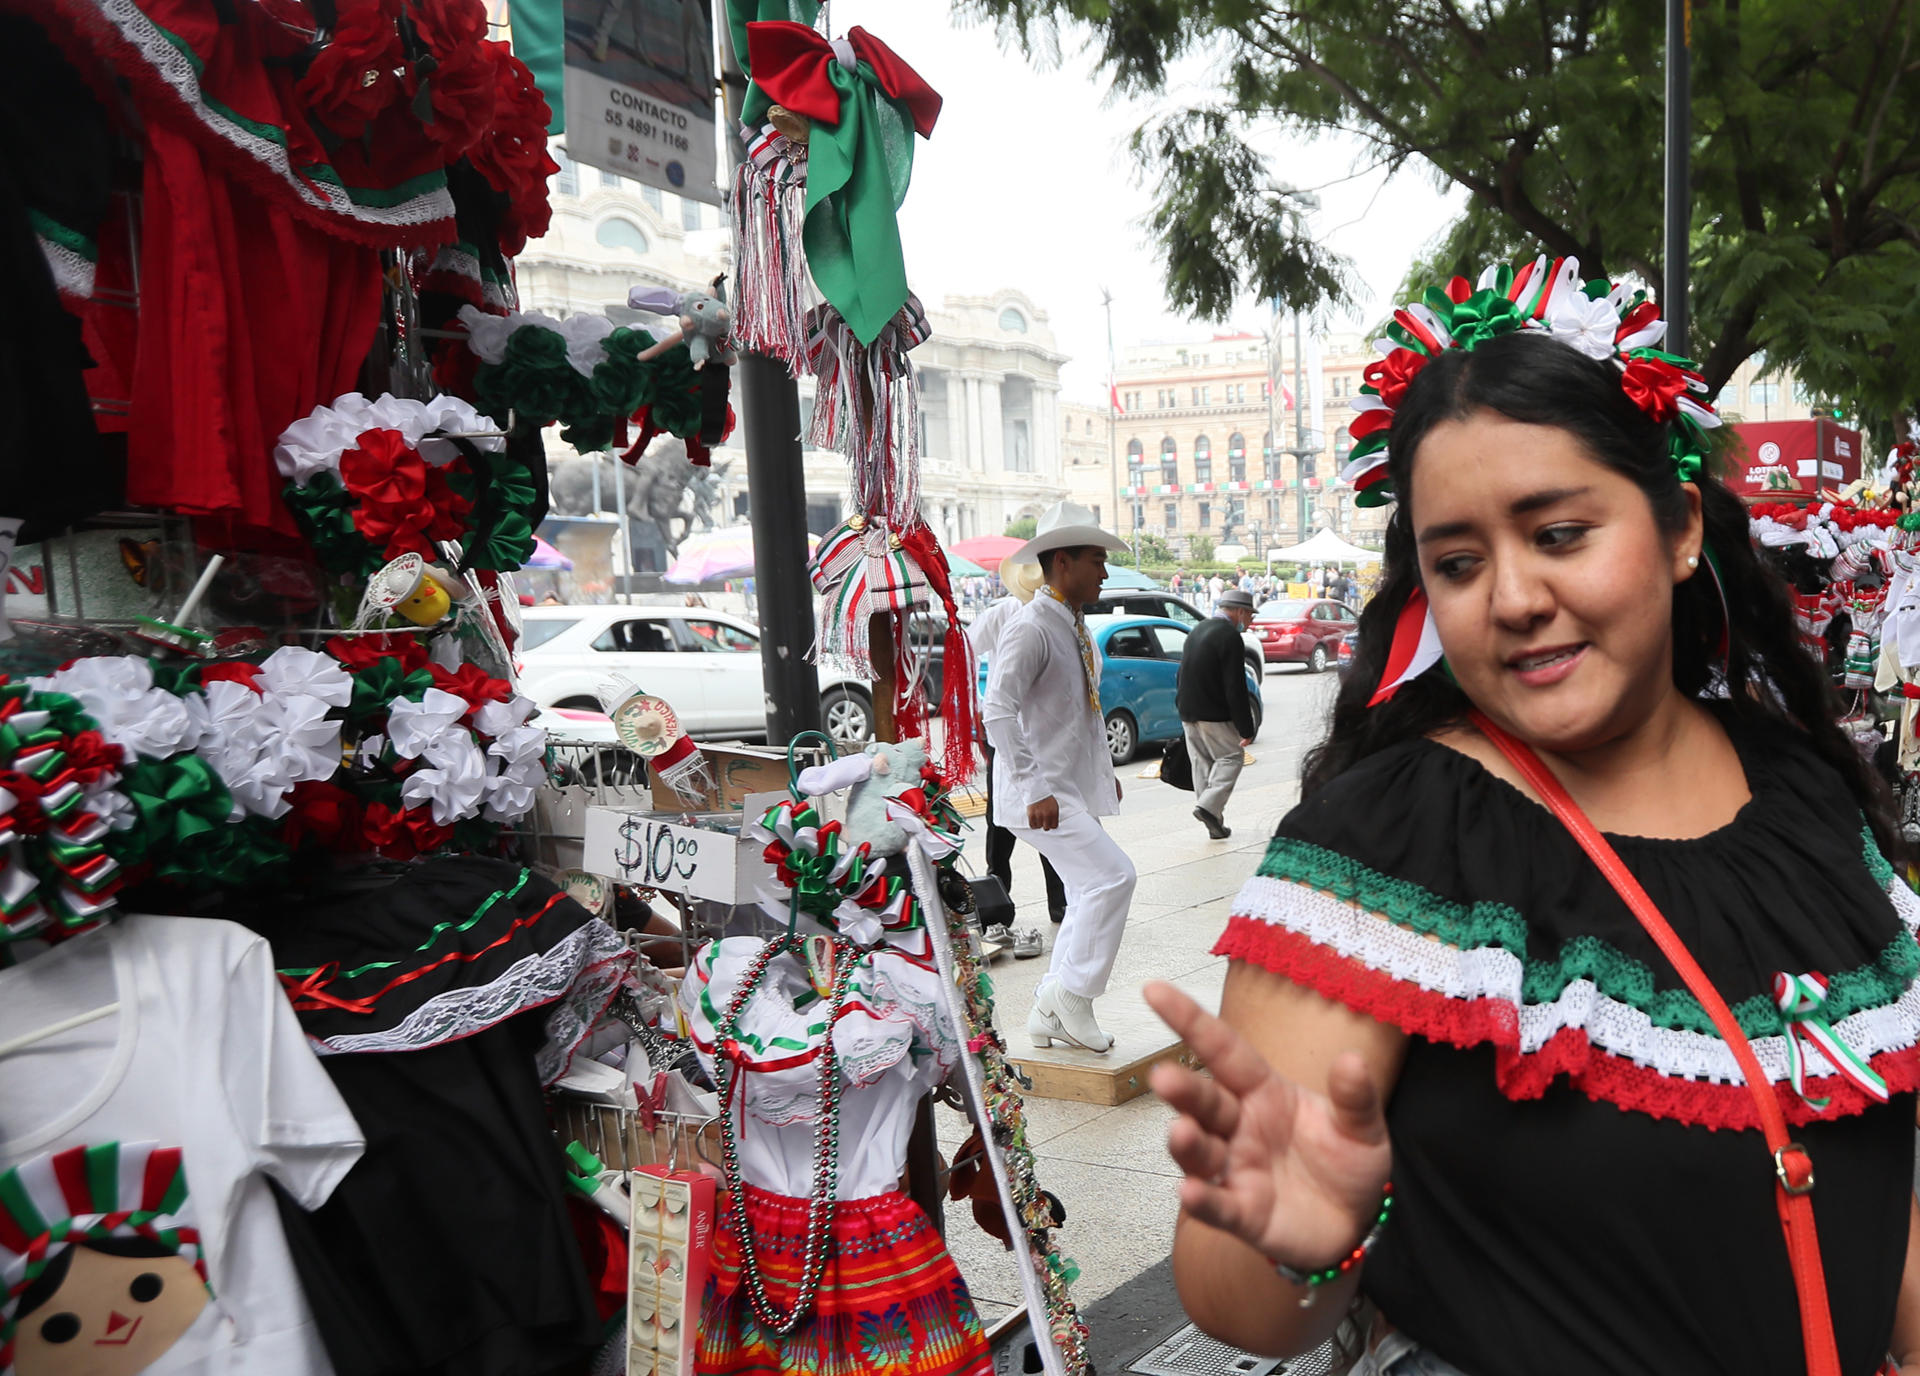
(1793, 1169)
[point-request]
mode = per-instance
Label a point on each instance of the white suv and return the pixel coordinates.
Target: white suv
(705, 663)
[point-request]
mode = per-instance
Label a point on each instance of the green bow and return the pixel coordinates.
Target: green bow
(377, 685)
(324, 510)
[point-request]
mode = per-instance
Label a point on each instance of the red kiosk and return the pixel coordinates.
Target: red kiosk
(1777, 459)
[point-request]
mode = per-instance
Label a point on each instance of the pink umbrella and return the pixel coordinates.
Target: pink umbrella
(986, 550)
(545, 556)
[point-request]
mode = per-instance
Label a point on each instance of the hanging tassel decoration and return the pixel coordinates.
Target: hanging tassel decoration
(772, 289)
(880, 439)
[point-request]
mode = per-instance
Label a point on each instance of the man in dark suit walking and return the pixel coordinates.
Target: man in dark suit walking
(1216, 707)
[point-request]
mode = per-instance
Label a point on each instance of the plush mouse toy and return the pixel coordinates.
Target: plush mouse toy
(704, 322)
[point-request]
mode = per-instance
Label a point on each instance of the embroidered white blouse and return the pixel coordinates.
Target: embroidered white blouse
(893, 1046)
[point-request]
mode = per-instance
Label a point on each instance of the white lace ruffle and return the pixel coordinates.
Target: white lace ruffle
(897, 1019)
(580, 973)
(1619, 1029)
(72, 273)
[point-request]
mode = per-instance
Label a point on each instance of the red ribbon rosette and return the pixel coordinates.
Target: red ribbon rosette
(462, 87)
(1392, 375)
(1655, 386)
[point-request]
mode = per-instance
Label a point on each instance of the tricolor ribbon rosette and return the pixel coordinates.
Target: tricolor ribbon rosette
(62, 817)
(371, 481)
(1802, 1001)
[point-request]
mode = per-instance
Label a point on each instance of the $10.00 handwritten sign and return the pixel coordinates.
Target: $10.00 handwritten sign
(659, 853)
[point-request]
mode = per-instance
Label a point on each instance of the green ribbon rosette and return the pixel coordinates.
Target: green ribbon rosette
(534, 379)
(179, 804)
(324, 511)
(377, 685)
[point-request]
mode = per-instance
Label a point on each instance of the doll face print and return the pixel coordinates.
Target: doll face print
(110, 1315)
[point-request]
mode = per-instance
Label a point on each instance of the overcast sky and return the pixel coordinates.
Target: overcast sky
(1027, 183)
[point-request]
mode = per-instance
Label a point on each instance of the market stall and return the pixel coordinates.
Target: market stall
(355, 1017)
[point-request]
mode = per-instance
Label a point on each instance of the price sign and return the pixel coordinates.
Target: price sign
(660, 853)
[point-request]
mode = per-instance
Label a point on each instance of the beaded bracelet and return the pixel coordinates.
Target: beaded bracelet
(1311, 1281)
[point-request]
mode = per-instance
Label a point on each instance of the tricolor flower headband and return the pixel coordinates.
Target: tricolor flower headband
(1610, 323)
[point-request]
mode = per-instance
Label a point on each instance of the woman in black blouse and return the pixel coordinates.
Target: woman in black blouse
(1432, 985)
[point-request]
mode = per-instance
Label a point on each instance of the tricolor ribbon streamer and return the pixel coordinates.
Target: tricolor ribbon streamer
(1801, 1000)
(1415, 648)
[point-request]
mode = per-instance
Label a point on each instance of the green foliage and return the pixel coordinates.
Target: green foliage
(1155, 552)
(1200, 549)
(1021, 529)
(1805, 154)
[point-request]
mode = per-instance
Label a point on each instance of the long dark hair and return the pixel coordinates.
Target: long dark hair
(1538, 380)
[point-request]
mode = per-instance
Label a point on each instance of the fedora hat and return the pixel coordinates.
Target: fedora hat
(1063, 526)
(1235, 598)
(1022, 580)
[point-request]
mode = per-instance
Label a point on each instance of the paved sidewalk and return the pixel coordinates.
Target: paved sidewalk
(1109, 1165)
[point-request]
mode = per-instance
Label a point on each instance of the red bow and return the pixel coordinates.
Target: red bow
(790, 60)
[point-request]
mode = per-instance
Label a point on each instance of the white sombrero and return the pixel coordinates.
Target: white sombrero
(1063, 526)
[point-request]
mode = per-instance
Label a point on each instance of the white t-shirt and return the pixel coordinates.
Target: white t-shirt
(204, 1055)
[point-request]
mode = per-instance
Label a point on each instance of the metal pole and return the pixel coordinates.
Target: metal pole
(1679, 208)
(1113, 424)
(1299, 426)
(1273, 385)
(624, 569)
(776, 482)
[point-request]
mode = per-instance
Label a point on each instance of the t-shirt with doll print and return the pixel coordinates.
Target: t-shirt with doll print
(138, 1231)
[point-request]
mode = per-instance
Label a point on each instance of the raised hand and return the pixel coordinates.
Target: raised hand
(1293, 1173)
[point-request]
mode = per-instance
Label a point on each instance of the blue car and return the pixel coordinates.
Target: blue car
(1140, 658)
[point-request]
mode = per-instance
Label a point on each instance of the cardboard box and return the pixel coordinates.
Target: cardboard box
(739, 770)
(670, 1252)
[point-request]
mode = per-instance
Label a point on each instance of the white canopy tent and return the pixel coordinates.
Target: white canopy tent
(1324, 548)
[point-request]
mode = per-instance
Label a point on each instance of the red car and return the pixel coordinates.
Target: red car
(1303, 630)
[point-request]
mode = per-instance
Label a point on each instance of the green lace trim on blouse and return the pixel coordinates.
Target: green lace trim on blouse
(1619, 976)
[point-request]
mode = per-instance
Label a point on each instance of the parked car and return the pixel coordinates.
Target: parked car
(1140, 663)
(705, 663)
(1304, 630)
(1129, 602)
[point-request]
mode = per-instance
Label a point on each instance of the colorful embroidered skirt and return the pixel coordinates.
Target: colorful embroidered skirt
(891, 1302)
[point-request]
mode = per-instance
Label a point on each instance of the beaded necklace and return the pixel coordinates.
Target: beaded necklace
(826, 1156)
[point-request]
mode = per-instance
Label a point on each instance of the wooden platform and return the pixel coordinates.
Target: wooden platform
(1090, 1079)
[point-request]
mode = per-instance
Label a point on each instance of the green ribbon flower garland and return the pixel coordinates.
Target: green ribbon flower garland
(539, 385)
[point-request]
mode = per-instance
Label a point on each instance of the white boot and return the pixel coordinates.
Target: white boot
(1060, 1016)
